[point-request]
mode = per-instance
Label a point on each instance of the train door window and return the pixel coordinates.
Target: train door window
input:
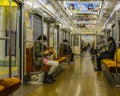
(58, 42)
(5, 44)
(37, 27)
(64, 35)
(60, 36)
(55, 39)
(71, 40)
(108, 33)
(76, 40)
(112, 29)
(69, 37)
(46, 31)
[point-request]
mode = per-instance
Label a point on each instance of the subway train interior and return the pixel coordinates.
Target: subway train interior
(59, 48)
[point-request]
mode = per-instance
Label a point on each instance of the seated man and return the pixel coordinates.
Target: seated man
(107, 53)
(67, 50)
(39, 52)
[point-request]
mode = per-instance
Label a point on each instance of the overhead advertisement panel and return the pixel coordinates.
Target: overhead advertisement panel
(88, 38)
(86, 26)
(87, 18)
(83, 7)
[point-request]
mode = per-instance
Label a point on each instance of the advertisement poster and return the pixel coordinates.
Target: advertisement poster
(86, 26)
(83, 7)
(88, 38)
(85, 18)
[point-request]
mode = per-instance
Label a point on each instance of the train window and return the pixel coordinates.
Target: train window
(64, 35)
(46, 30)
(55, 42)
(37, 25)
(71, 40)
(108, 33)
(76, 40)
(112, 29)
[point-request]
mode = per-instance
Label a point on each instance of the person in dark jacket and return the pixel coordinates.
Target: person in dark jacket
(67, 50)
(39, 53)
(107, 53)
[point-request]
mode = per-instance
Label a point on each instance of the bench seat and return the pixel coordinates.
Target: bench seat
(110, 64)
(67, 56)
(60, 59)
(29, 60)
(112, 67)
(9, 85)
(1, 89)
(108, 61)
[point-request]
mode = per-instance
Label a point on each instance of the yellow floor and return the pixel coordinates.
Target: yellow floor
(78, 79)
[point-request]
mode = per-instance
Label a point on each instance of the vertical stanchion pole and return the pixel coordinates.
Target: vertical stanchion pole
(117, 44)
(10, 14)
(42, 28)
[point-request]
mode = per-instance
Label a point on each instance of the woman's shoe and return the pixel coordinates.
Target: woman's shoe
(48, 79)
(52, 78)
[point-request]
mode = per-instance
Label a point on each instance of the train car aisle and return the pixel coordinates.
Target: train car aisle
(78, 79)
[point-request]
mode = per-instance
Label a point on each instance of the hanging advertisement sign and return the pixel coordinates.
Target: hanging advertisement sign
(86, 26)
(83, 7)
(85, 18)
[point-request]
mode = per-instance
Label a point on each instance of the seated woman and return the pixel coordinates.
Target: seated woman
(107, 53)
(41, 57)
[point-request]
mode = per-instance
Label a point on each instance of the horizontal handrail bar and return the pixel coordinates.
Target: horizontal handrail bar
(4, 38)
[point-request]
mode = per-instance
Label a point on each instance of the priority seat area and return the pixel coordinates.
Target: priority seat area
(9, 85)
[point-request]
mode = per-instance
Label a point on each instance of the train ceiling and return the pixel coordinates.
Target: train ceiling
(79, 16)
(89, 15)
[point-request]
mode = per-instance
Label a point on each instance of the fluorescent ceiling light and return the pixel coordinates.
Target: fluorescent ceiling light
(65, 4)
(28, 3)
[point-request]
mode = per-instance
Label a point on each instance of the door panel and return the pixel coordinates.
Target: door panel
(4, 41)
